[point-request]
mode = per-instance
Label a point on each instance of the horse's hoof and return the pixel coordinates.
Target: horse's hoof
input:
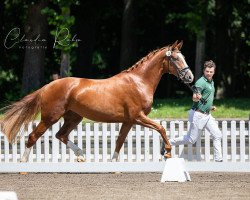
(114, 160)
(80, 159)
(167, 155)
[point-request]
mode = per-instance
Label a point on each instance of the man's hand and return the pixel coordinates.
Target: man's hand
(213, 108)
(196, 97)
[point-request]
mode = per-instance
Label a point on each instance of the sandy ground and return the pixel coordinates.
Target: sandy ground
(126, 186)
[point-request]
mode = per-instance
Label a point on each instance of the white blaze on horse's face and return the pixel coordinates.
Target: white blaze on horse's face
(181, 57)
(184, 72)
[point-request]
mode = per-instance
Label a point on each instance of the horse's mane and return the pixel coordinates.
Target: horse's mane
(145, 58)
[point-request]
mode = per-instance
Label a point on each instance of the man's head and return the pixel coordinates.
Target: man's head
(209, 69)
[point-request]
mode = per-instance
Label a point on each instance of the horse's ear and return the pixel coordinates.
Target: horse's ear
(174, 45)
(179, 45)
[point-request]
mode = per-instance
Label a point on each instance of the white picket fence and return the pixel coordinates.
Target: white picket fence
(140, 152)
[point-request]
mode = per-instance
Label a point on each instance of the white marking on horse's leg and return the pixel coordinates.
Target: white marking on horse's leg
(115, 156)
(78, 152)
(75, 148)
(26, 154)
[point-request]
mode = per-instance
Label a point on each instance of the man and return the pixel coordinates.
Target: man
(199, 115)
(55, 76)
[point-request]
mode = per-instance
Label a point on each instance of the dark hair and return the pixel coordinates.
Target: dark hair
(209, 64)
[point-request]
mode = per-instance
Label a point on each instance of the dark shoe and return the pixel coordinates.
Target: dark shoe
(218, 160)
(162, 148)
(162, 152)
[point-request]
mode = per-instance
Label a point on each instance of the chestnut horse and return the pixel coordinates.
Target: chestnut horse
(125, 98)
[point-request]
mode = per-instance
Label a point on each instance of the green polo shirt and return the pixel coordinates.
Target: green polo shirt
(206, 88)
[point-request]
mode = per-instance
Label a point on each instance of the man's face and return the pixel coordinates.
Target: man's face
(208, 73)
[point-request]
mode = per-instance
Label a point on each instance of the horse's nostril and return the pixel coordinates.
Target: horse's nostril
(190, 78)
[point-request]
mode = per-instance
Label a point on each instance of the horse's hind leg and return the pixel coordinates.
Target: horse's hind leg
(47, 120)
(120, 140)
(33, 137)
(71, 119)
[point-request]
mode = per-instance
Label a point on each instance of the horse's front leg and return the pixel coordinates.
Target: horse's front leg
(142, 119)
(120, 140)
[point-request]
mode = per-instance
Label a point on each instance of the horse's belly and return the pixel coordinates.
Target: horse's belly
(100, 112)
(102, 101)
(100, 117)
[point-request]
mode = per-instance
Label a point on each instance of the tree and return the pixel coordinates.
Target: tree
(87, 16)
(36, 34)
(62, 21)
(128, 39)
(195, 21)
(200, 32)
(223, 47)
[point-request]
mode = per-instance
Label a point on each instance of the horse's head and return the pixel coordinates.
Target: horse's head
(175, 63)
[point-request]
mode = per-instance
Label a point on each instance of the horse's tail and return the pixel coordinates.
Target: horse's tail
(19, 113)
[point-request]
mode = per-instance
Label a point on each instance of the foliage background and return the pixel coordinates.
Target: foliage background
(108, 28)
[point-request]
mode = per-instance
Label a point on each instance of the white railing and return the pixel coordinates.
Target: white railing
(141, 146)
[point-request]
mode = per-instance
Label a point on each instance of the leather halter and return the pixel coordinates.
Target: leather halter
(181, 73)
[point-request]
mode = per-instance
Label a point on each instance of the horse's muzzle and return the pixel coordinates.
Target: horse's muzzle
(189, 77)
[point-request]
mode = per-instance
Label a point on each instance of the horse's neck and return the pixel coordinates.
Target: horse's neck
(151, 72)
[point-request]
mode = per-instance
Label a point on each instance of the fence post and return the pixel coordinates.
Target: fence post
(112, 135)
(190, 148)
(14, 152)
(198, 148)
(181, 132)
(88, 147)
(207, 146)
(121, 154)
(242, 141)
(146, 142)
(224, 140)
(130, 146)
(6, 150)
(156, 146)
(55, 143)
(172, 135)
(63, 152)
(233, 141)
(30, 129)
(138, 142)
(104, 142)
(79, 135)
(38, 147)
(71, 152)
(96, 142)
(46, 146)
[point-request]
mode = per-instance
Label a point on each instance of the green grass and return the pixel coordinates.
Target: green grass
(178, 108)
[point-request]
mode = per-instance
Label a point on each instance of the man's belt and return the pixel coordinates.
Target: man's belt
(198, 110)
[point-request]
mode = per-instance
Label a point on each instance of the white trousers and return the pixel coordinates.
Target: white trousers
(198, 122)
